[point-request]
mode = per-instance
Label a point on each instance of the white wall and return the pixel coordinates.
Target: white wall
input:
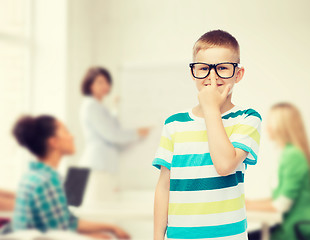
(49, 54)
(273, 36)
(59, 38)
(80, 47)
(44, 74)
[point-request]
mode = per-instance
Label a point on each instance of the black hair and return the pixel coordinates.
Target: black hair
(90, 77)
(33, 132)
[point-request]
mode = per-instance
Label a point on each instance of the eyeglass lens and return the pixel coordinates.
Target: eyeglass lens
(225, 70)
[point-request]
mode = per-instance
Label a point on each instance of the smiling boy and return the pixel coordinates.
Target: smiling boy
(204, 151)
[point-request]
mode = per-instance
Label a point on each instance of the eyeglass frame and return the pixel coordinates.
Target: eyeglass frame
(211, 66)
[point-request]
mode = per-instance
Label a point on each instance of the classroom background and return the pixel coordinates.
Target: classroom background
(47, 45)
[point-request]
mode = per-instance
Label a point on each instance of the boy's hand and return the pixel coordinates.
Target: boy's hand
(211, 98)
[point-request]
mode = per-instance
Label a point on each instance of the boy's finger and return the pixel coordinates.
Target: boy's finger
(213, 82)
(226, 91)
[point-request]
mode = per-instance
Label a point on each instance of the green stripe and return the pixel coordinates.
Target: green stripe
(179, 117)
(216, 231)
(158, 162)
(247, 149)
(249, 112)
(252, 112)
(191, 160)
(211, 183)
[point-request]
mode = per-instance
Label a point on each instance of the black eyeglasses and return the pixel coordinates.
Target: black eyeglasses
(223, 70)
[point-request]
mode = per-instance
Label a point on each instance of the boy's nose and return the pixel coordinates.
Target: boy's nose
(212, 75)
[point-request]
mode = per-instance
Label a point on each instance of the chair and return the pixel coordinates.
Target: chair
(302, 230)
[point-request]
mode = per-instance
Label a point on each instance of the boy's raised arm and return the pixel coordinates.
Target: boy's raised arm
(224, 156)
(161, 203)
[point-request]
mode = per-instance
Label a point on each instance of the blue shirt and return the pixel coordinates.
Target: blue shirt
(41, 202)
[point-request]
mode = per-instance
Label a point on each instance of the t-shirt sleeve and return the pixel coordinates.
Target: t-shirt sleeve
(246, 135)
(293, 171)
(164, 153)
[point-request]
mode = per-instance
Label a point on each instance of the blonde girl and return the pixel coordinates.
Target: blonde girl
(292, 195)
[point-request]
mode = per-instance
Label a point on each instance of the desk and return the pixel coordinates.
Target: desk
(137, 206)
(50, 235)
(115, 211)
(263, 220)
(133, 210)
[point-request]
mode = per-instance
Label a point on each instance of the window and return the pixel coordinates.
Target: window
(15, 52)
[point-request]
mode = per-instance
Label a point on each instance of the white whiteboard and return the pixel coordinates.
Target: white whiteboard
(150, 93)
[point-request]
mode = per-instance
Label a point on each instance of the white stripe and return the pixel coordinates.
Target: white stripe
(206, 195)
(206, 219)
(251, 121)
(189, 126)
(165, 132)
(201, 126)
(197, 172)
(241, 236)
(191, 148)
(164, 154)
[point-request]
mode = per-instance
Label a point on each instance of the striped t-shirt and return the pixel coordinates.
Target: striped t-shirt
(202, 203)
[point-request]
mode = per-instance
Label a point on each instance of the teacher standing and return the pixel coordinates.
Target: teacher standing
(104, 136)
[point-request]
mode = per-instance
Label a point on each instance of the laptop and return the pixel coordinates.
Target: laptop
(75, 185)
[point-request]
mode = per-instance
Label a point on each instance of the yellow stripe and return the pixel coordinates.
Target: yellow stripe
(201, 136)
(206, 208)
(248, 130)
(166, 143)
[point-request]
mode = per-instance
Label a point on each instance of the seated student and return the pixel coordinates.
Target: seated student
(292, 195)
(41, 202)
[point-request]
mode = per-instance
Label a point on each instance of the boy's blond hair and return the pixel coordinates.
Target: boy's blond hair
(217, 38)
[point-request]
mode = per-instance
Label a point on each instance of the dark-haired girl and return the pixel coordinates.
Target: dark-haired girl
(41, 202)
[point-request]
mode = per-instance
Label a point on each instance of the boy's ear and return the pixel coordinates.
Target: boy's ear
(240, 74)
